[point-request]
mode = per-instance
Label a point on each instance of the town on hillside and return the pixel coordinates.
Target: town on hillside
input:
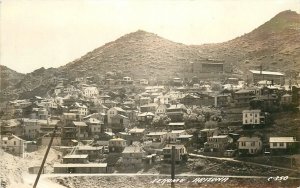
(130, 125)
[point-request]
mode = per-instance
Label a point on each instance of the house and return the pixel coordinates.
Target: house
(149, 108)
(113, 112)
(144, 82)
(48, 126)
(81, 110)
(145, 117)
(157, 136)
(75, 159)
(243, 97)
(94, 127)
(206, 133)
(14, 145)
(253, 117)
(127, 80)
(176, 125)
(198, 99)
(180, 153)
(249, 145)
(90, 92)
(176, 112)
(217, 143)
(161, 109)
(144, 101)
(174, 134)
(80, 168)
(119, 123)
(81, 129)
(137, 134)
(93, 152)
(222, 100)
(183, 139)
(283, 145)
(116, 145)
(132, 157)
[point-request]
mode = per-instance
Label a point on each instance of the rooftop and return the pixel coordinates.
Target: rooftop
(267, 72)
(99, 165)
(282, 139)
(75, 156)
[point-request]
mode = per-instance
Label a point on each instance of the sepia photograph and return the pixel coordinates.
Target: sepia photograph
(149, 93)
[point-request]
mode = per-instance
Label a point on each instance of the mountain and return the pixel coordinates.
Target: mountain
(9, 77)
(139, 54)
(275, 46)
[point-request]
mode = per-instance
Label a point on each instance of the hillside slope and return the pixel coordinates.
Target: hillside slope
(275, 45)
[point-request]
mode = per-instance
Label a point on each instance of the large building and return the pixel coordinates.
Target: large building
(207, 66)
(275, 77)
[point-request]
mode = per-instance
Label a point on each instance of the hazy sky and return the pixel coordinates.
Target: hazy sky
(51, 33)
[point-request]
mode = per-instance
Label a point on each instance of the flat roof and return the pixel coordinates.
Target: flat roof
(248, 139)
(75, 157)
(89, 147)
(185, 136)
(80, 123)
(136, 130)
(282, 139)
(70, 165)
(267, 72)
(177, 131)
(156, 133)
(177, 123)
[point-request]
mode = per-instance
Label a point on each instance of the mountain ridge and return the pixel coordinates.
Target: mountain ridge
(275, 45)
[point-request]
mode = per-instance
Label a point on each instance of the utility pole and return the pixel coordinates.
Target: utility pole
(45, 157)
(173, 166)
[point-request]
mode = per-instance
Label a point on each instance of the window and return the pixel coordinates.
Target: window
(281, 144)
(5, 142)
(245, 115)
(275, 144)
(246, 121)
(15, 143)
(255, 115)
(243, 143)
(252, 143)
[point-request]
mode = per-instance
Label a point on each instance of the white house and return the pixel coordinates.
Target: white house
(132, 156)
(282, 144)
(14, 145)
(113, 112)
(174, 134)
(82, 110)
(253, 117)
(249, 145)
(90, 92)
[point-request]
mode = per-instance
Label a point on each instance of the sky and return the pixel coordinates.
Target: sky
(52, 33)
